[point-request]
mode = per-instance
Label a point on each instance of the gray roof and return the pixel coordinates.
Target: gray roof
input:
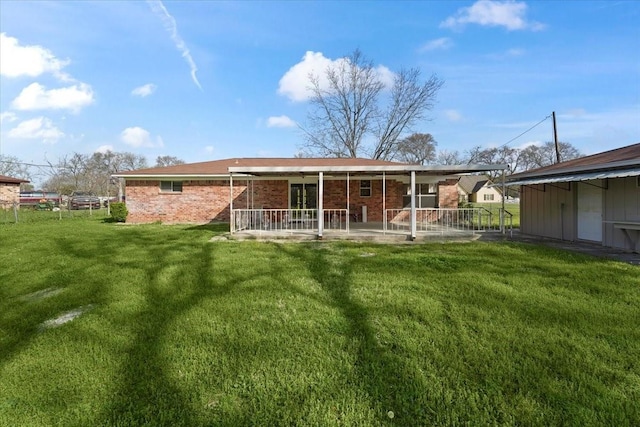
(471, 184)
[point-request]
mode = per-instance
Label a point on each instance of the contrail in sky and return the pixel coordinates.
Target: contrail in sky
(170, 24)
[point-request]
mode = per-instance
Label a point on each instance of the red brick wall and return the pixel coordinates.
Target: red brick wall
(9, 194)
(448, 194)
(335, 197)
(208, 200)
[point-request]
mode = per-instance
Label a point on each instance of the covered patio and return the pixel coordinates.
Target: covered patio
(317, 213)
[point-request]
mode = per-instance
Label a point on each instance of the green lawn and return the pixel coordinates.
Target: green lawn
(494, 208)
(181, 331)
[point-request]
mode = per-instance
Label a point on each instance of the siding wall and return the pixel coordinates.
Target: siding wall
(548, 211)
(542, 214)
(621, 203)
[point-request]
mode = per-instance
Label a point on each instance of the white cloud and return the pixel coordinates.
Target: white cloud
(104, 148)
(295, 82)
(280, 122)
(38, 128)
(170, 25)
(8, 116)
(209, 149)
(31, 61)
(509, 14)
(453, 115)
(138, 137)
(144, 90)
(443, 43)
(36, 97)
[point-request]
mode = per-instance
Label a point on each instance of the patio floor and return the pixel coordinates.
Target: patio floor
(370, 231)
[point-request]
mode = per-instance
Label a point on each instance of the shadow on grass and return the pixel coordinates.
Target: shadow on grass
(216, 227)
(23, 317)
(390, 384)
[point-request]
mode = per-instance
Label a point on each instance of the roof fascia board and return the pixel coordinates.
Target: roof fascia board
(369, 169)
(176, 176)
(589, 168)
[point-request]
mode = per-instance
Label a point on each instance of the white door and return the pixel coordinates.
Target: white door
(589, 212)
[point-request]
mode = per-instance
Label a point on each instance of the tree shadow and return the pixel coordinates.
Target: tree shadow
(395, 394)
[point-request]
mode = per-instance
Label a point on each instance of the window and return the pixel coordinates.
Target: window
(365, 188)
(171, 186)
(488, 197)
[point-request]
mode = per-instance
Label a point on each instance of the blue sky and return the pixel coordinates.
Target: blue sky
(204, 80)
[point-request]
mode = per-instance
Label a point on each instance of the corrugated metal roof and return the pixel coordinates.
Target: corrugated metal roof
(577, 177)
(620, 158)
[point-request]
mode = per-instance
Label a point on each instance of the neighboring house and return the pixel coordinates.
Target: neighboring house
(10, 191)
(478, 189)
(212, 191)
(594, 198)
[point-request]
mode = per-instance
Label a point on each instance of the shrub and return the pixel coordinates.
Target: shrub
(119, 212)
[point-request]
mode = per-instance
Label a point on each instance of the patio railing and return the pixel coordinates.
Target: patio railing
(288, 220)
(441, 220)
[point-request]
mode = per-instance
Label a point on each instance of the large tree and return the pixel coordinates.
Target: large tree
(347, 118)
(418, 148)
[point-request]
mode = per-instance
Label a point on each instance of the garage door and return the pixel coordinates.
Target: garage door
(589, 212)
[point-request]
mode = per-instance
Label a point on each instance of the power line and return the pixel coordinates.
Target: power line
(531, 128)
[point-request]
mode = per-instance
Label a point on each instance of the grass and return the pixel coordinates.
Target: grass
(494, 208)
(179, 330)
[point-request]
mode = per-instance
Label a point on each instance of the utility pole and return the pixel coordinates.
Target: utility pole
(555, 137)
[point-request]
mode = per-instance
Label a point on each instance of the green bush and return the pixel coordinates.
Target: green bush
(119, 212)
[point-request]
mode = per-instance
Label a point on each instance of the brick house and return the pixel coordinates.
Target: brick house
(10, 191)
(358, 189)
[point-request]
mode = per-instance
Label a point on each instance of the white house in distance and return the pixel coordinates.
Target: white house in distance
(478, 189)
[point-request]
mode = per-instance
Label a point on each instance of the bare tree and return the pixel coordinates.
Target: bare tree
(162, 161)
(418, 148)
(446, 157)
(536, 156)
(13, 167)
(80, 172)
(346, 120)
(495, 155)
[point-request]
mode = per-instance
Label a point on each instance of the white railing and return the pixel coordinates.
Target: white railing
(287, 220)
(441, 220)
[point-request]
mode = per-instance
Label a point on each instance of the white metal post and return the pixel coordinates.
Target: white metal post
(231, 222)
(320, 197)
(384, 202)
(413, 205)
(348, 203)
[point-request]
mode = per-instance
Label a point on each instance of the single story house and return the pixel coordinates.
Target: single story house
(10, 191)
(478, 189)
(594, 198)
(291, 190)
